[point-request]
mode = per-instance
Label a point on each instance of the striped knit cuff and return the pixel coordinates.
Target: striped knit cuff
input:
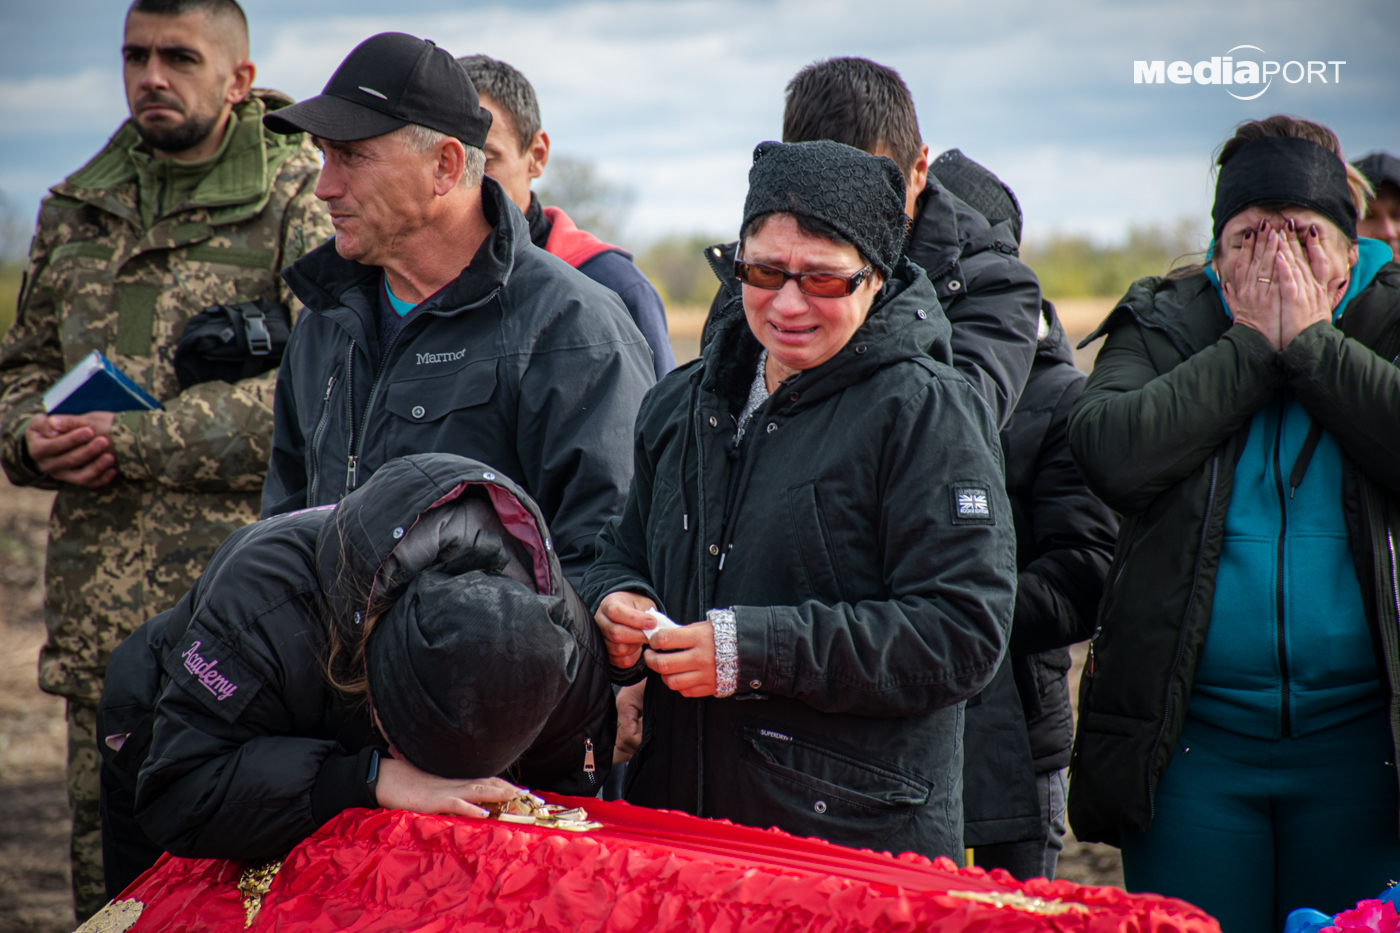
(726, 651)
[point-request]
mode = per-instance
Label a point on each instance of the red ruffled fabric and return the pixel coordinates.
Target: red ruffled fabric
(645, 870)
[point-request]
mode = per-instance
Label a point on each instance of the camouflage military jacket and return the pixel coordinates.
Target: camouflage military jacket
(99, 279)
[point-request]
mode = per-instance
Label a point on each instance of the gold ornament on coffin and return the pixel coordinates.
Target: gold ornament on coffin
(256, 881)
(1017, 901)
(529, 810)
(116, 917)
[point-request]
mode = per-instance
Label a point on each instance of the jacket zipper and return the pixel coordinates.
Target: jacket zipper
(726, 531)
(1394, 584)
(1181, 634)
(356, 450)
(589, 766)
(1280, 620)
(316, 441)
(351, 466)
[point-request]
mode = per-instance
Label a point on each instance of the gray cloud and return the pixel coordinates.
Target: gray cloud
(670, 97)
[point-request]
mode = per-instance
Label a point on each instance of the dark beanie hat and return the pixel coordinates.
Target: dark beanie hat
(858, 194)
(465, 670)
(1379, 167)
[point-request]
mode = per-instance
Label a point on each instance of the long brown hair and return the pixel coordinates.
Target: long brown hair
(347, 639)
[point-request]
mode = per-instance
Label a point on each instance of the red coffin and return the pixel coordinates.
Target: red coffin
(382, 870)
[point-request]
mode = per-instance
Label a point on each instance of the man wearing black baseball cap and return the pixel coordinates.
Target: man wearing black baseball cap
(433, 323)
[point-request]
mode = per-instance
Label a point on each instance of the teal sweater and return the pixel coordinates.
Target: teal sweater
(1288, 651)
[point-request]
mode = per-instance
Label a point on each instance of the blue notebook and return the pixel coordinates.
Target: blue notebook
(96, 385)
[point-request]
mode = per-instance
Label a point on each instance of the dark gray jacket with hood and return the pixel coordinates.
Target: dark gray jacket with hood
(1021, 725)
(522, 362)
(250, 772)
(869, 557)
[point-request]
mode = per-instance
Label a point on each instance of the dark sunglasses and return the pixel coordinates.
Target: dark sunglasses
(816, 284)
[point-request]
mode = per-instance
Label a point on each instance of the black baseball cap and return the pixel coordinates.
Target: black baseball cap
(1379, 167)
(389, 81)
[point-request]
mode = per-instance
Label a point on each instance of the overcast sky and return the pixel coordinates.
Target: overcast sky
(669, 98)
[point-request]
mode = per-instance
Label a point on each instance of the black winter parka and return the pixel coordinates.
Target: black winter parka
(1021, 725)
(1158, 431)
(872, 573)
(990, 297)
(523, 363)
(247, 758)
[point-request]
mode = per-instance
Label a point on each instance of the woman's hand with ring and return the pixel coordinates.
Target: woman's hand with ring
(622, 618)
(404, 786)
(688, 666)
(1247, 279)
(1306, 296)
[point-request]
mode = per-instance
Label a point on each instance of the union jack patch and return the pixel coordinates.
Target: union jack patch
(972, 505)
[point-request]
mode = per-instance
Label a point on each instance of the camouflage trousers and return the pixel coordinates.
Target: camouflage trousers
(85, 853)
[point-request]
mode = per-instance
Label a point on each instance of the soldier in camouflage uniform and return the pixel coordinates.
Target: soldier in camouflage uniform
(127, 249)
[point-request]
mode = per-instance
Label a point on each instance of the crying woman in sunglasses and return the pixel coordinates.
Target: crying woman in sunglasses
(818, 503)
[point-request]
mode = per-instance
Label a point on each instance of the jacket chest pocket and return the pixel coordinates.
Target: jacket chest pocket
(80, 273)
(816, 788)
(432, 399)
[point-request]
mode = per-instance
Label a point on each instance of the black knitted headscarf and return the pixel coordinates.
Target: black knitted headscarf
(1279, 170)
(860, 195)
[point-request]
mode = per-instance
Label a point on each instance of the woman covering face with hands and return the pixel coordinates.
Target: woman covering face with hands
(1241, 701)
(1283, 270)
(819, 501)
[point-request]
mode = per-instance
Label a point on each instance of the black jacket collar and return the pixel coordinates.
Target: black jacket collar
(323, 280)
(540, 225)
(946, 229)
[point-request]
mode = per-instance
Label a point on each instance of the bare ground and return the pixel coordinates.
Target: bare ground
(34, 887)
(34, 823)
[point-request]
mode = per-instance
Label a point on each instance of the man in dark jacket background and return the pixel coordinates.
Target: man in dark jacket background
(1020, 727)
(991, 298)
(517, 151)
(433, 323)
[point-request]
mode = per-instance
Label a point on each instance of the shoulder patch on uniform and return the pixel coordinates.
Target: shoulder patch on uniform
(207, 669)
(971, 504)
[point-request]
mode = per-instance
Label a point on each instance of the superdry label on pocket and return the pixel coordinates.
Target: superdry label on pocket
(971, 504)
(207, 670)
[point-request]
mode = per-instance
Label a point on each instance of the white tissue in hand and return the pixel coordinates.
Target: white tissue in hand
(662, 623)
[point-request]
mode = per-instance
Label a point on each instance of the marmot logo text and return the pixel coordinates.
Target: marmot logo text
(441, 357)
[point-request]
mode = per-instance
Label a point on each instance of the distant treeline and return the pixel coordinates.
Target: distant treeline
(10, 273)
(1069, 265)
(1074, 266)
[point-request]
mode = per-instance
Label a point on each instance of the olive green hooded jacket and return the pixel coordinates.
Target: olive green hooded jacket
(1157, 434)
